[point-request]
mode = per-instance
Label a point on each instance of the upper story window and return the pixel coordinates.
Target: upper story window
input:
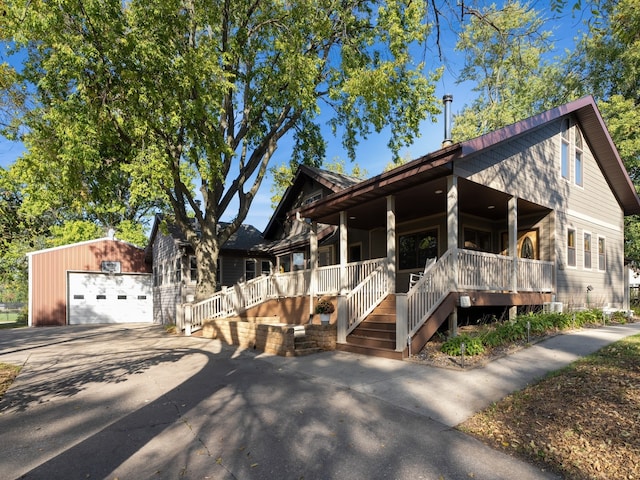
(315, 196)
(571, 247)
(564, 149)
(578, 164)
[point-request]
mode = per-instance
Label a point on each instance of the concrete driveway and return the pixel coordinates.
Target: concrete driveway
(131, 402)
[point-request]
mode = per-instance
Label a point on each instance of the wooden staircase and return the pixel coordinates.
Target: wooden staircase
(376, 335)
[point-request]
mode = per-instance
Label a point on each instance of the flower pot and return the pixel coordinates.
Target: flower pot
(324, 318)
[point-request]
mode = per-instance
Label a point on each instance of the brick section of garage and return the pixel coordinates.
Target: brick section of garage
(48, 274)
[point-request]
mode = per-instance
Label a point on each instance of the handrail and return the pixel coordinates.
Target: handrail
(428, 292)
(364, 298)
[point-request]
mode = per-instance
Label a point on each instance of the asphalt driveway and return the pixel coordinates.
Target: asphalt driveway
(131, 402)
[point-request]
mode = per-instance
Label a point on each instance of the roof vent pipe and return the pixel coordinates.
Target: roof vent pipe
(447, 99)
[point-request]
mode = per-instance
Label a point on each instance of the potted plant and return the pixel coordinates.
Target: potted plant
(325, 308)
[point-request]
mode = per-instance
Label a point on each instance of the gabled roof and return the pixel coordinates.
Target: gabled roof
(331, 180)
(86, 242)
(440, 163)
(246, 239)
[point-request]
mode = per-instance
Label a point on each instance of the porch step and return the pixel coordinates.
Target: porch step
(371, 351)
(303, 346)
(376, 335)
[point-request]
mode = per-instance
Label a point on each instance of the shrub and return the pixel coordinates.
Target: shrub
(473, 345)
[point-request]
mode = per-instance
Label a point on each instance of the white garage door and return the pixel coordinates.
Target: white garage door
(102, 298)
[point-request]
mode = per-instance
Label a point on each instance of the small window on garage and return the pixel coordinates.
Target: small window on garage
(142, 297)
(122, 297)
(101, 297)
(78, 297)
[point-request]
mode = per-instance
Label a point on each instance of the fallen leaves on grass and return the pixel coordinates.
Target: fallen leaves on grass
(8, 373)
(582, 421)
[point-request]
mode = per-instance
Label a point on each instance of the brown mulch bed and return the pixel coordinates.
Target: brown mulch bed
(582, 422)
(8, 373)
(431, 354)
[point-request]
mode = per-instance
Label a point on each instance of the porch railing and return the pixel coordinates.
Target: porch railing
(535, 275)
(328, 278)
(242, 296)
(428, 292)
(364, 298)
(476, 271)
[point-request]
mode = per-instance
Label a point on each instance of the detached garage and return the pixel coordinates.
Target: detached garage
(98, 281)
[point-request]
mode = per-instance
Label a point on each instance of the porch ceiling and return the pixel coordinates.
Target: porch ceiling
(428, 198)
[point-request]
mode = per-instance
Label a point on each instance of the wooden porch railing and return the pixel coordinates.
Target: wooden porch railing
(362, 300)
(476, 271)
(242, 296)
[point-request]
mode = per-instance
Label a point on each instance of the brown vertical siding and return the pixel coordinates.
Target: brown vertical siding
(49, 273)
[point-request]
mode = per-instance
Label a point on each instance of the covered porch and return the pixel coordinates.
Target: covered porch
(493, 248)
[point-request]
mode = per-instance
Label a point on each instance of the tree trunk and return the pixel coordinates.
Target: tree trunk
(207, 259)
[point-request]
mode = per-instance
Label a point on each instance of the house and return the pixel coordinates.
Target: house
(288, 238)
(242, 258)
(529, 215)
(97, 281)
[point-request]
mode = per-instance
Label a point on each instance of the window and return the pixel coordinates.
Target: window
(564, 149)
(325, 256)
(249, 269)
(571, 247)
(193, 269)
(265, 267)
(122, 297)
(355, 252)
(578, 164)
(587, 250)
(415, 248)
(178, 272)
(477, 240)
(602, 254)
(314, 197)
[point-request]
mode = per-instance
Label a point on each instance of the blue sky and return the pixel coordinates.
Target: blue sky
(372, 153)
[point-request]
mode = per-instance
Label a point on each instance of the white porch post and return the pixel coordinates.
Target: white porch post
(343, 321)
(513, 241)
(452, 225)
(391, 243)
(344, 247)
(313, 265)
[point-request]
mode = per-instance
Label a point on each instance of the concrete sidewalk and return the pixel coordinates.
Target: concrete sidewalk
(134, 403)
(452, 396)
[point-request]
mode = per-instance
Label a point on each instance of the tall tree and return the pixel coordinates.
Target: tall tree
(506, 58)
(607, 65)
(192, 96)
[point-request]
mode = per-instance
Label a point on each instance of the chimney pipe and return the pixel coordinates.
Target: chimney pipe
(447, 99)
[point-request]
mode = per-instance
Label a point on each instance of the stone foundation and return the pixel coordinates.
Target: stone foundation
(267, 336)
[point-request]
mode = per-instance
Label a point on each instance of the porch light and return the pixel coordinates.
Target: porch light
(438, 192)
(491, 207)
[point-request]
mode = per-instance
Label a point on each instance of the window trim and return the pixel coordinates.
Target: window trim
(587, 253)
(578, 158)
(602, 239)
(570, 263)
(565, 149)
(434, 228)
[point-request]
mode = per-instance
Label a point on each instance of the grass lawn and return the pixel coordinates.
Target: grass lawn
(582, 421)
(11, 320)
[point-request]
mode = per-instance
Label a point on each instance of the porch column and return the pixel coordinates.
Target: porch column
(452, 225)
(313, 265)
(344, 247)
(391, 243)
(343, 321)
(513, 241)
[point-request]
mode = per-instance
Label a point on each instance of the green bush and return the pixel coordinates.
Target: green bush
(473, 345)
(501, 333)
